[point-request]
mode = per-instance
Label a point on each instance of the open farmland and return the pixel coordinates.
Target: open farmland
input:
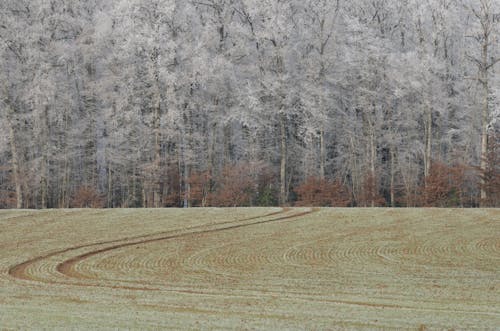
(250, 268)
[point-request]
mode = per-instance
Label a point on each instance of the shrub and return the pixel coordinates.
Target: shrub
(87, 197)
(491, 174)
(444, 186)
(322, 193)
(235, 187)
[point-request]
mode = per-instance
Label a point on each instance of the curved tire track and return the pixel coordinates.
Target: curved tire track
(19, 270)
(67, 268)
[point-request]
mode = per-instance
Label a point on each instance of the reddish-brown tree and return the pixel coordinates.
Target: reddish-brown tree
(235, 187)
(444, 185)
(87, 197)
(322, 193)
(491, 174)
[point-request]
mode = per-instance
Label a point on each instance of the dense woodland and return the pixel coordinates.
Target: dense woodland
(180, 103)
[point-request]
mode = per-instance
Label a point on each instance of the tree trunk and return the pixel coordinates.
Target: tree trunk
(132, 197)
(353, 167)
(373, 154)
(322, 152)
(43, 170)
(43, 183)
(211, 151)
(428, 143)
(64, 203)
(283, 160)
(187, 187)
(110, 188)
(227, 144)
(156, 180)
(15, 167)
(484, 142)
(369, 134)
(392, 189)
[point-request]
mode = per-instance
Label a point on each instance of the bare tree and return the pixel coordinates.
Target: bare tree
(486, 37)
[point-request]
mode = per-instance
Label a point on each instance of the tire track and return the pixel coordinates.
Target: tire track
(67, 267)
(19, 271)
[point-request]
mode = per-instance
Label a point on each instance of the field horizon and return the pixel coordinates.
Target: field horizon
(250, 268)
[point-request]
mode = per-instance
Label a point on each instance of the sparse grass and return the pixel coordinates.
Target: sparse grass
(250, 268)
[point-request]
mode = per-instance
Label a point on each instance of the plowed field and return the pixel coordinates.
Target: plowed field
(250, 268)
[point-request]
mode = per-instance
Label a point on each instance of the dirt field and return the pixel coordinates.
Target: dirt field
(250, 269)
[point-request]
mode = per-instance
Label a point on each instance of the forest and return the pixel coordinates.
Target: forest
(197, 103)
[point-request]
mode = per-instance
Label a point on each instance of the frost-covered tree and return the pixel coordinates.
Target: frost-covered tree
(485, 33)
(158, 102)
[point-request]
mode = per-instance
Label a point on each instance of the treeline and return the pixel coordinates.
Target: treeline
(170, 103)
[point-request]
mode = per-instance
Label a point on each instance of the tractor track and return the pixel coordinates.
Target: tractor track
(67, 267)
(19, 271)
